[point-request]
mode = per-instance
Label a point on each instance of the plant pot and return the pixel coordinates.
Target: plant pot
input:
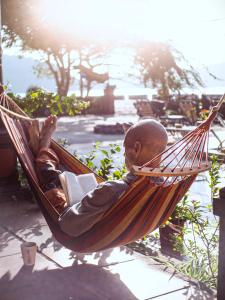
(168, 234)
(8, 159)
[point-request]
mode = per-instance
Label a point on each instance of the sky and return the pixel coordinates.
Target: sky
(196, 27)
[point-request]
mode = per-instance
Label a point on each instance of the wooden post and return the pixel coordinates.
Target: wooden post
(81, 75)
(1, 73)
(219, 210)
(108, 100)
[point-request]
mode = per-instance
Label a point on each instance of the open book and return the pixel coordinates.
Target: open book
(76, 187)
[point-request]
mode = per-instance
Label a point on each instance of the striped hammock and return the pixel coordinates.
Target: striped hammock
(143, 208)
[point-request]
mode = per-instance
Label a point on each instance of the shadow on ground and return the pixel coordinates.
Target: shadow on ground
(75, 282)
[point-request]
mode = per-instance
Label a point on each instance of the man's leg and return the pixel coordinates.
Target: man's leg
(34, 136)
(47, 166)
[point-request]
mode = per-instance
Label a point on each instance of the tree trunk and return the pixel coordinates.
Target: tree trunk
(64, 84)
(60, 71)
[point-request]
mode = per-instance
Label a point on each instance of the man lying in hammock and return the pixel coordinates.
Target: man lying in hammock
(142, 142)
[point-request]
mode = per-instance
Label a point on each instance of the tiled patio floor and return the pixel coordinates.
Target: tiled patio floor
(60, 274)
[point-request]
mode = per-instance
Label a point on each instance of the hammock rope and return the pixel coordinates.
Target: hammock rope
(16, 115)
(142, 208)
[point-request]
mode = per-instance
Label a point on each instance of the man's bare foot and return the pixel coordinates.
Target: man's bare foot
(34, 133)
(48, 128)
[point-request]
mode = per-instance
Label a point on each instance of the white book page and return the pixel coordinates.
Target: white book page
(75, 191)
(77, 186)
(88, 182)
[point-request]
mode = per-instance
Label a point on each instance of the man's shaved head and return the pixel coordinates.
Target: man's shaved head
(143, 141)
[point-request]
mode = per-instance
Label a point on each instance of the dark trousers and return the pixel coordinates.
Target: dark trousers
(47, 170)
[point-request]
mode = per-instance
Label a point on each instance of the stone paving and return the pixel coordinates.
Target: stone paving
(59, 273)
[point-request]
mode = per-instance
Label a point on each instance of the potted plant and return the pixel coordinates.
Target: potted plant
(8, 160)
(172, 232)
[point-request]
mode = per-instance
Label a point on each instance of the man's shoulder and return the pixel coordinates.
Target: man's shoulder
(117, 187)
(112, 186)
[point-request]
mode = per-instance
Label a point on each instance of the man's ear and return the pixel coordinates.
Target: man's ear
(137, 148)
(126, 126)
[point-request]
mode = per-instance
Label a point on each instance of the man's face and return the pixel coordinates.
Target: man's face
(129, 155)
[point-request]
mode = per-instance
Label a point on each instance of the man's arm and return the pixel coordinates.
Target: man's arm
(84, 215)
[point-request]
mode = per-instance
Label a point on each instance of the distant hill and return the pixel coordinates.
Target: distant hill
(217, 70)
(19, 74)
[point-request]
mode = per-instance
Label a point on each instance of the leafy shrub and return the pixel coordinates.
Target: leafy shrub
(201, 236)
(38, 103)
(106, 167)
